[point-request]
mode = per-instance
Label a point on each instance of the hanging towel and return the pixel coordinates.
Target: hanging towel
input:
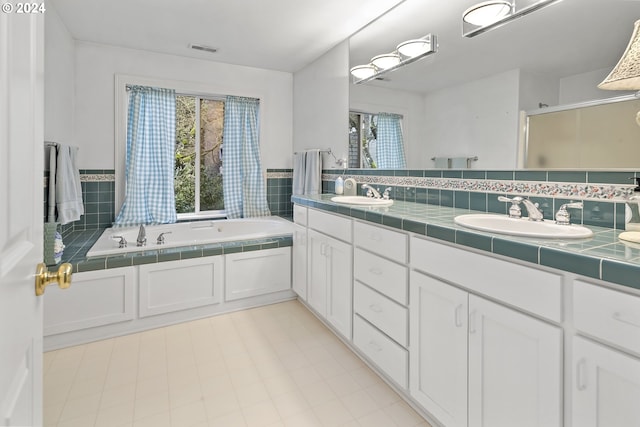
(313, 172)
(460, 163)
(441, 162)
(68, 190)
(299, 168)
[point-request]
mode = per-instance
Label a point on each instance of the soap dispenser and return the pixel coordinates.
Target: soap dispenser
(632, 209)
(339, 188)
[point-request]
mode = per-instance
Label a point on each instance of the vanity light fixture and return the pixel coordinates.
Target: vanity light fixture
(407, 52)
(488, 15)
(626, 74)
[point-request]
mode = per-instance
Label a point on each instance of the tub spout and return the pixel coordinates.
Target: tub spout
(142, 236)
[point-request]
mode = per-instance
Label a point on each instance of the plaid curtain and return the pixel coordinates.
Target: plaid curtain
(243, 183)
(151, 132)
(389, 142)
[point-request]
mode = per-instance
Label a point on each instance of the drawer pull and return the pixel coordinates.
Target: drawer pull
(375, 271)
(375, 308)
(374, 346)
(617, 316)
(581, 375)
(458, 315)
(472, 322)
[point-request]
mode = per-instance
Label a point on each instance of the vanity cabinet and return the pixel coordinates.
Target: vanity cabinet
(606, 380)
(329, 269)
(476, 362)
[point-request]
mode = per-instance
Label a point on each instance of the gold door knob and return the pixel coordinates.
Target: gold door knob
(44, 277)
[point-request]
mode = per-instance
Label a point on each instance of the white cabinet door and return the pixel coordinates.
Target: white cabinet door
(438, 357)
(317, 272)
(515, 368)
(339, 285)
(606, 386)
(299, 255)
(248, 274)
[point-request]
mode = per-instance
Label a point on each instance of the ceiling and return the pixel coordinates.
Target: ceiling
(283, 35)
(566, 38)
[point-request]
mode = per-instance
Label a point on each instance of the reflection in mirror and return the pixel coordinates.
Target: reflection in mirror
(466, 100)
(376, 141)
(585, 136)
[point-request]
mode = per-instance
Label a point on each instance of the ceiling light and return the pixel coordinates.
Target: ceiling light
(488, 15)
(363, 71)
(487, 12)
(406, 53)
(626, 74)
(413, 48)
(385, 61)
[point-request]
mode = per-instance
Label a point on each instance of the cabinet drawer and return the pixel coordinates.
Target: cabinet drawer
(531, 289)
(383, 275)
(391, 358)
(333, 225)
(300, 214)
(384, 314)
(607, 314)
(390, 244)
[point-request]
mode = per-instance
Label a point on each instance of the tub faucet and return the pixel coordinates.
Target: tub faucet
(371, 192)
(142, 236)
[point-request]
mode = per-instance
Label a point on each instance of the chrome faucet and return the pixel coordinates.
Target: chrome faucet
(385, 194)
(563, 217)
(160, 239)
(535, 214)
(142, 236)
(371, 192)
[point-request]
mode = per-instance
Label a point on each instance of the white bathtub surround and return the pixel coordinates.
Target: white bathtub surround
(190, 234)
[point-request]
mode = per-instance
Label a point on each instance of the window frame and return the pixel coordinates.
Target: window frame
(121, 106)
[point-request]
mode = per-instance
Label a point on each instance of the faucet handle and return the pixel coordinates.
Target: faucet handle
(122, 243)
(385, 194)
(160, 239)
(563, 217)
(514, 209)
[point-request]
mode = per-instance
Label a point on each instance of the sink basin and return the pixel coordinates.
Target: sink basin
(522, 227)
(361, 200)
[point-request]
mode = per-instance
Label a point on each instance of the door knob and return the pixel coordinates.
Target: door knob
(44, 277)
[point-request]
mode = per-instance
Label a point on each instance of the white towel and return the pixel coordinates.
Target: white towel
(460, 163)
(299, 168)
(68, 189)
(313, 172)
(442, 162)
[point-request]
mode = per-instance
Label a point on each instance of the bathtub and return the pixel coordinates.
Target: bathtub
(190, 234)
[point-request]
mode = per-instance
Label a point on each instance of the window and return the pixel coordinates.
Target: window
(198, 154)
(362, 140)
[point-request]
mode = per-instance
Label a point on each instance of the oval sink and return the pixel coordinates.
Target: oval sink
(522, 227)
(362, 201)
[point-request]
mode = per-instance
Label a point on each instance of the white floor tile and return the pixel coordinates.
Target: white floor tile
(272, 366)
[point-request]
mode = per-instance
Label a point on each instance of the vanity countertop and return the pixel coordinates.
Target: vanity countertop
(602, 256)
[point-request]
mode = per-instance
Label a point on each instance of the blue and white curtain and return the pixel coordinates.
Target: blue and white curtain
(242, 184)
(389, 142)
(151, 132)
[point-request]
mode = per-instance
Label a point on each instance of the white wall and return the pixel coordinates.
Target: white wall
(478, 118)
(96, 66)
(59, 59)
(374, 99)
(321, 105)
(584, 87)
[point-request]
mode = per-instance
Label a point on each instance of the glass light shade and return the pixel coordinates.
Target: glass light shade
(486, 13)
(626, 74)
(413, 48)
(388, 60)
(363, 71)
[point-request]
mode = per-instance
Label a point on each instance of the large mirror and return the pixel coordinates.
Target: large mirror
(467, 100)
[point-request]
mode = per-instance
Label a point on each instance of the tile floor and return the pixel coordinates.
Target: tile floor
(269, 366)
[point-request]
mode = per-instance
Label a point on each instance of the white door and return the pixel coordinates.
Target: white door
(515, 368)
(299, 256)
(438, 354)
(21, 216)
(606, 386)
(317, 272)
(339, 285)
